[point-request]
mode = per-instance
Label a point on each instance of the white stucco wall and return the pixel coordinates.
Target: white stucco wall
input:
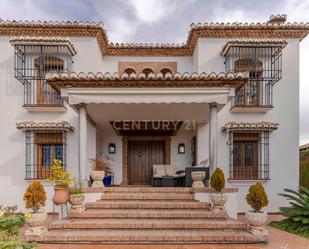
(283, 142)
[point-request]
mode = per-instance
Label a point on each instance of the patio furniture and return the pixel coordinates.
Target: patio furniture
(168, 181)
(167, 171)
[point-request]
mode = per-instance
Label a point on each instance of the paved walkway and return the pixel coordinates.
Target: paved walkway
(278, 240)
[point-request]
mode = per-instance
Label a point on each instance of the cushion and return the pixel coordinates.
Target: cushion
(170, 170)
(158, 170)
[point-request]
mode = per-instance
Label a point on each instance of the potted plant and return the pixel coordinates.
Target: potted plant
(257, 199)
(76, 198)
(217, 182)
(61, 180)
(35, 198)
(99, 169)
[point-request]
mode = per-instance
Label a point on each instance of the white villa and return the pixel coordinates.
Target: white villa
(228, 97)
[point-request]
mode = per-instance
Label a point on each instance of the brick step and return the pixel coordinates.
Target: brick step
(146, 190)
(138, 204)
(146, 236)
(148, 224)
(147, 213)
(147, 196)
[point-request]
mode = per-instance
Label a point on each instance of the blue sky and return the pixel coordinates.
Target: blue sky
(159, 21)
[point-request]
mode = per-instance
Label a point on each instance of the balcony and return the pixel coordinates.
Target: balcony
(263, 60)
(32, 63)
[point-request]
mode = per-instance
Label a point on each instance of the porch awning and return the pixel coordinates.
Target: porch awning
(154, 88)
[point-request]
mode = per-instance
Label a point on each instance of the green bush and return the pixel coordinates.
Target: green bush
(297, 215)
(257, 197)
(10, 223)
(217, 180)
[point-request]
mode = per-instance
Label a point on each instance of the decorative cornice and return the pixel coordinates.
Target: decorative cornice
(245, 42)
(116, 80)
(38, 40)
(44, 125)
(262, 125)
(270, 29)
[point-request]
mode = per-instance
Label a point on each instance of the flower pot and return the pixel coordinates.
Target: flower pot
(36, 223)
(218, 200)
(77, 201)
(198, 178)
(258, 220)
(61, 195)
(97, 177)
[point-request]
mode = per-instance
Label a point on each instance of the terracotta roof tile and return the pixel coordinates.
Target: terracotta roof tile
(40, 40)
(262, 125)
(43, 125)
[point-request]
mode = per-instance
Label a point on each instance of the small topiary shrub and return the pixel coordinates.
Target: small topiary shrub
(217, 180)
(257, 197)
(35, 196)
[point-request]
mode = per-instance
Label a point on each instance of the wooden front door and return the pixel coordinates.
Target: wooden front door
(142, 155)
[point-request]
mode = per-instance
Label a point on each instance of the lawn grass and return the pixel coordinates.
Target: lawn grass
(284, 227)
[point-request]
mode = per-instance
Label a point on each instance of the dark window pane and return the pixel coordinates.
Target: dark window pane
(46, 155)
(249, 154)
(59, 151)
(236, 154)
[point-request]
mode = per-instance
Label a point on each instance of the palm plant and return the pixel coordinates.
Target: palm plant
(297, 215)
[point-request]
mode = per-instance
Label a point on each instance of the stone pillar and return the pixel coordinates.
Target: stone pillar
(82, 143)
(212, 136)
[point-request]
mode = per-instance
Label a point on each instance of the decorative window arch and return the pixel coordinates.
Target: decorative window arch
(164, 71)
(129, 71)
(147, 71)
(250, 94)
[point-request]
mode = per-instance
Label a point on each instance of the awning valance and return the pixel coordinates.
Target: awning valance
(261, 125)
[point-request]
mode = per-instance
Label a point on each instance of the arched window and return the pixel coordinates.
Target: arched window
(164, 71)
(249, 94)
(130, 71)
(147, 71)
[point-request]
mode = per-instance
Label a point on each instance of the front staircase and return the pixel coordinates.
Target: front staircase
(147, 215)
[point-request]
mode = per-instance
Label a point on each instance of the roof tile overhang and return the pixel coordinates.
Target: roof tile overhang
(258, 126)
(212, 30)
(38, 40)
(44, 125)
(116, 80)
(244, 42)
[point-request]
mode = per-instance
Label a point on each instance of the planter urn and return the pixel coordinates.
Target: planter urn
(198, 178)
(258, 222)
(97, 177)
(61, 195)
(218, 199)
(77, 201)
(36, 224)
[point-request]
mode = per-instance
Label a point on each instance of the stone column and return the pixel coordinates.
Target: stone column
(212, 136)
(82, 143)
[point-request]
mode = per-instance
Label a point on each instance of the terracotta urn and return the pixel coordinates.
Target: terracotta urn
(61, 195)
(36, 224)
(77, 201)
(97, 177)
(218, 199)
(198, 178)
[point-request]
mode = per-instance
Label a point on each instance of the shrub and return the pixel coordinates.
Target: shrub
(10, 223)
(75, 191)
(102, 165)
(257, 197)
(59, 176)
(217, 180)
(35, 196)
(297, 215)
